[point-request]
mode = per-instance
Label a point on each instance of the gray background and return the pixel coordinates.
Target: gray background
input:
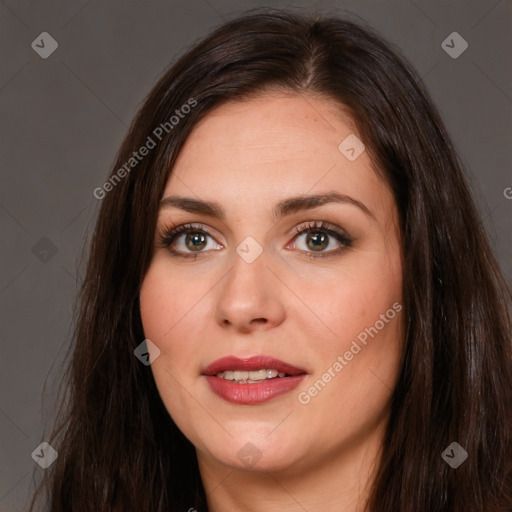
(63, 118)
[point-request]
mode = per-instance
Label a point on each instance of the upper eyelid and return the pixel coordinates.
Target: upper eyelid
(199, 226)
(313, 224)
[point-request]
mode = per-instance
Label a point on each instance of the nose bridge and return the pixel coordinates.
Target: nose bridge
(248, 264)
(246, 296)
(246, 279)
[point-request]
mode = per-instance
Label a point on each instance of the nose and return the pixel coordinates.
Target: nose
(250, 297)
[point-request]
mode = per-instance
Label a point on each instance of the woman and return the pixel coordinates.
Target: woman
(340, 340)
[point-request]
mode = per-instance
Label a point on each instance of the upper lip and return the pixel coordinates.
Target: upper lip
(251, 364)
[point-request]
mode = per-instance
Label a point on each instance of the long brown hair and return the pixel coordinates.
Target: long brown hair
(118, 447)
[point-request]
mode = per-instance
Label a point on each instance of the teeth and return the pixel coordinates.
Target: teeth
(251, 377)
(258, 375)
(237, 375)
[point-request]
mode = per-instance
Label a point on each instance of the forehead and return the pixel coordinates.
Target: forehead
(271, 146)
(266, 129)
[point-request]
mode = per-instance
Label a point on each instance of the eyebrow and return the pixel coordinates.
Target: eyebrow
(283, 208)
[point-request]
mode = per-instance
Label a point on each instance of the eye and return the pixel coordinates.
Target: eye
(187, 239)
(319, 236)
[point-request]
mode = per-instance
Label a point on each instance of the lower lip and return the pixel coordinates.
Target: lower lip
(251, 394)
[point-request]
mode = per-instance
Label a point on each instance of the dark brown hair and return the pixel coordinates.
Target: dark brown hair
(118, 447)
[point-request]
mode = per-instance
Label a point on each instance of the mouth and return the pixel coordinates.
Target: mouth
(252, 381)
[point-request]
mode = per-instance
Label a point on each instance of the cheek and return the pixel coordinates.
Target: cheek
(167, 308)
(362, 294)
(157, 302)
(359, 360)
(166, 299)
(170, 308)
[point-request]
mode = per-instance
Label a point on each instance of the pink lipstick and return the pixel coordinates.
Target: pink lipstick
(252, 381)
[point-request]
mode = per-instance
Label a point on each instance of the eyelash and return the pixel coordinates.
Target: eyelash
(168, 235)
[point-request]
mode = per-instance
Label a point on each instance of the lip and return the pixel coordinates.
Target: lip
(252, 394)
(251, 364)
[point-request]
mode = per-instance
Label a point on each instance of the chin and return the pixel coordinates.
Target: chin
(257, 454)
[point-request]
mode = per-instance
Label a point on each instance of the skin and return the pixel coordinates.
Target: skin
(247, 156)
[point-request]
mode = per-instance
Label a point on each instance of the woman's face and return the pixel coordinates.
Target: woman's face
(292, 259)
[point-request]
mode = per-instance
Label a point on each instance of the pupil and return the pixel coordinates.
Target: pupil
(198, 241)
(318, 240)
